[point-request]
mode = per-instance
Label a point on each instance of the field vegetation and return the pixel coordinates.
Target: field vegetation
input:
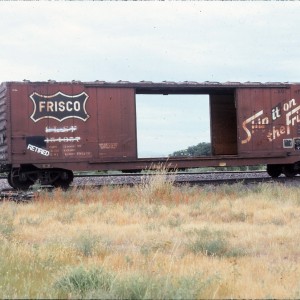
(154, 240)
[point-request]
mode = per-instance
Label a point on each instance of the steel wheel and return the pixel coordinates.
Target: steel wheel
(18, 180)
(64, 180)
(289, 171)
(274, 170)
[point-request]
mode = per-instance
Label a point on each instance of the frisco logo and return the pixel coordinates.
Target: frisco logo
(59, 106)
(38, 150)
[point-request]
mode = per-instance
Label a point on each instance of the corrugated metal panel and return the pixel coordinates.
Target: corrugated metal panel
(3, 124)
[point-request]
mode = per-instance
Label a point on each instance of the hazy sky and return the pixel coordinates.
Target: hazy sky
(156, 41)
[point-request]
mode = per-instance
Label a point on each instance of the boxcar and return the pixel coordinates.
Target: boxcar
(50, 129)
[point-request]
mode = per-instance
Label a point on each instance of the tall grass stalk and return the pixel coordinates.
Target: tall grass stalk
(157, 184)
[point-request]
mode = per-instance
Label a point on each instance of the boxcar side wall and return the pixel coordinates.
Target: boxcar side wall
(79, 126)
(269, 121)
(68, 125)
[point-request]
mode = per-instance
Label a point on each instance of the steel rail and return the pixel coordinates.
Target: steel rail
(78, 175)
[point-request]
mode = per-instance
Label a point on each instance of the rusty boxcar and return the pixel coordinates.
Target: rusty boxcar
(50, 129)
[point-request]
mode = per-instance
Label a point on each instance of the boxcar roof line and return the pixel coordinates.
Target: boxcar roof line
(145, 83)
(171, 87)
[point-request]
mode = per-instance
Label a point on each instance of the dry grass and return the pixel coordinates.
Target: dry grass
(153, 241)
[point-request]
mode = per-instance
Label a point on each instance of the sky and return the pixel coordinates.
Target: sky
(154, 41)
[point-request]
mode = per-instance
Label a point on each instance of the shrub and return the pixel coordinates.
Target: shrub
(86, 243)
(6, 225)
(79, 282)
(98, 283)
(212, 243)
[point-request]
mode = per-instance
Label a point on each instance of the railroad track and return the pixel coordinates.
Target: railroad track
(199, 178)
(178, 178)
(17, 196)
(116, 174)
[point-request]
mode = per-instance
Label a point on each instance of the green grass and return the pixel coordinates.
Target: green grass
(211, 243)
(97, 283)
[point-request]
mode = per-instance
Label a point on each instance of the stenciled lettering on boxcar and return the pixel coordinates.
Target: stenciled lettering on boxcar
(72, 150)
(59, 106)
(37, 144)
(63, 139)
(108, 146)
(288, 112)
(61, 129)
(38, 150)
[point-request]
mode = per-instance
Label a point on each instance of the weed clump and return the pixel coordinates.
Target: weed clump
(7, 217)
(211, 243)
(6, 226)
(97, 283)
(88, 244)
(157, 184)
(79, 282)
